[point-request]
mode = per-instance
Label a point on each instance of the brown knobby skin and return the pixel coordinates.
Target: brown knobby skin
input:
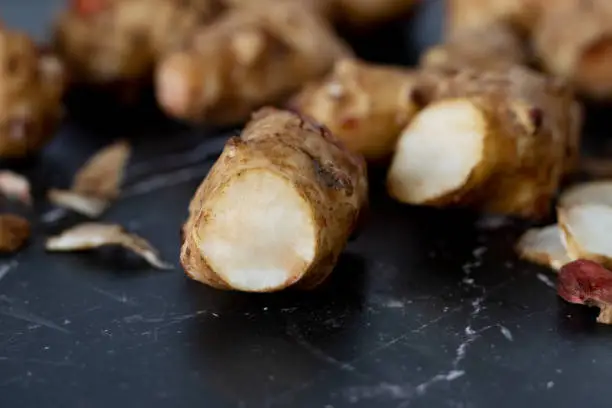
(498, 141)
(491, 46)
(324, 8)
(14, 232)
(31, 90)
(119, 41)
(366, 13)
(365, 105)
(249, 58)
(276, 209)
(521, 15)
(574, 41)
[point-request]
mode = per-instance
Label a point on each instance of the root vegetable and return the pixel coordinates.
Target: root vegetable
(276, 209)
(586, 230)
(15, 186)
(97, 184)
(324, 8)
(364, 105)
(31, 89)
(364, 13)
(94, 235)
(119, 41)
(489, 47)
(470, 14)
(14, 232)
(497, 141)
(246, 60)
(544, 246)
(574, 42)
(587, 283)
(594, 192)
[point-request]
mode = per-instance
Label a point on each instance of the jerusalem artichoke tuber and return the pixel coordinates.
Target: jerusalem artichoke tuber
(14, 232)
(364, 105)
(31, 90)
(488, 47)
(119, 41)
(574, 42)
(246, 60)
(276, 209)
(495, 140)
(521, 15)
(364, 13)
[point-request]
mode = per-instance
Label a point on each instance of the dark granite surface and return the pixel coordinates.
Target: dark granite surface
(426, 308)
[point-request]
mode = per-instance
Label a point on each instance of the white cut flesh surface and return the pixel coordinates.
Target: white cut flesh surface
(587, 230)
(261, 235)
(544, 246)
(593, 192)
(437, 152)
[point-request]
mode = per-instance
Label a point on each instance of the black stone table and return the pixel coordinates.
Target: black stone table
(426, 308)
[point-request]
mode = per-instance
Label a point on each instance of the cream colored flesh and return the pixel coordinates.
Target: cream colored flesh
(587, 231)
(594, 192)
(260, 235)
(437, 152)
(544, 246)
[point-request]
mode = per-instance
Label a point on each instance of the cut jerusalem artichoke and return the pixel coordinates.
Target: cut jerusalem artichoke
(581, 209)
(499, 141)
(544, 246)
(14, 232)
(95, 235)
(364, 105)
(276, 209)
(586, 231)
(574, 42)
(246, 60)
(97, 184)
(31, 89)
(593, 192)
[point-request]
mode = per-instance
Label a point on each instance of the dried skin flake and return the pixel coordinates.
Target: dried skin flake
(14, 232)
(97, 184)
(95, 235)
(15, 187)
(587, 283)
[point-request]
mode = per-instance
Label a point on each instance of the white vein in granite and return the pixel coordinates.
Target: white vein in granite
(546, 280)
(470, 334)
(6, 268)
